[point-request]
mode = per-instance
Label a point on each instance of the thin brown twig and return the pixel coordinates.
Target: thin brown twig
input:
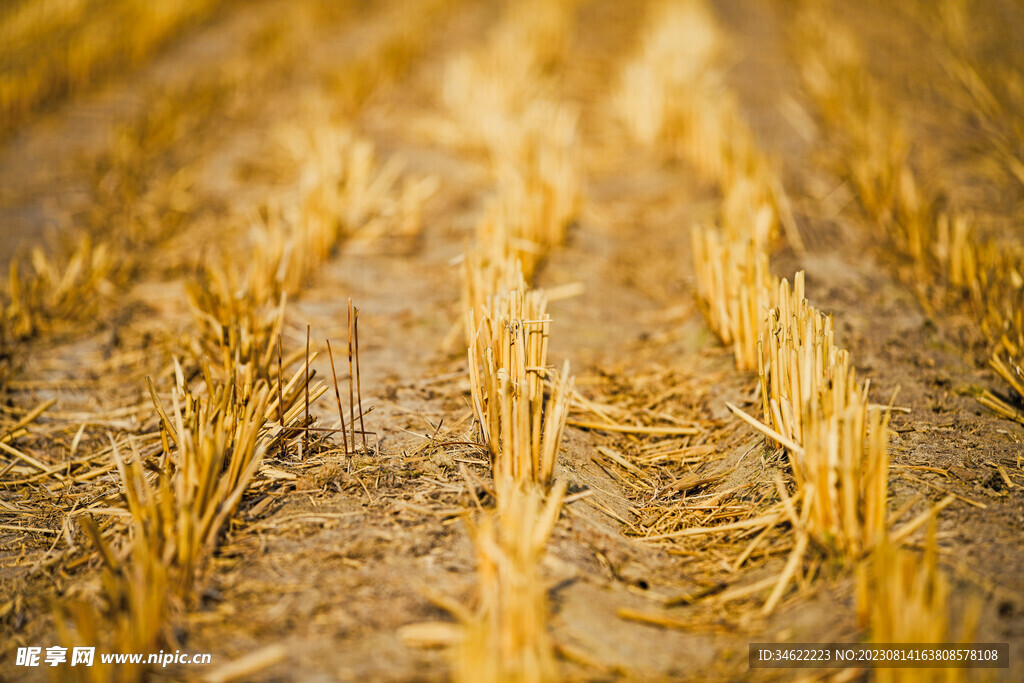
(280, 391)
(351, 386)
(337, 395)
(305, 436)
(359, 390)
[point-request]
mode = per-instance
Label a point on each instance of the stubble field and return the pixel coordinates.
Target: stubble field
(509, 341)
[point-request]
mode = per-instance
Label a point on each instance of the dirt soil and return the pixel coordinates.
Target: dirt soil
(336, 561)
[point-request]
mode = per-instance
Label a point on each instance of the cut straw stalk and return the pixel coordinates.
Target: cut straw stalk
(534, 206)
(337, 395)
(735, 290)
(797, 359)
(506, 639)
(846, 463)
(837, 442)
(508, 364)
(220, 432)
(902, 597)
(610, 426)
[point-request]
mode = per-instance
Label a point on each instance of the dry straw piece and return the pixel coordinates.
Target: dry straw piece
(1012, 374)
(734, 289)
(508, 373)
(506, 638)
(837, 442)
(216, 438)
(902, 597)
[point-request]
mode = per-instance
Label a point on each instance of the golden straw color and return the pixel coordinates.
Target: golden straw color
(838, 445)
(521, 405)
(672, 92)
(734, 290)
(60, 47)
(500, 115)
(812, 403)
(947, 257)
(54, 292)
(845, 461)
(902, 597)
(505, 640)
(798, 359)
(217, 434)
(508, 368)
